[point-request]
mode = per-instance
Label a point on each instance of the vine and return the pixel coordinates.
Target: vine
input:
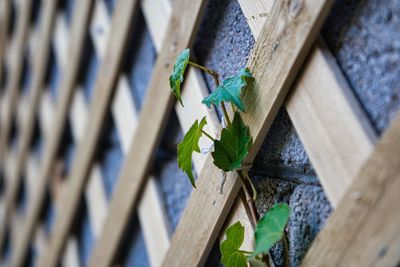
(228, 155)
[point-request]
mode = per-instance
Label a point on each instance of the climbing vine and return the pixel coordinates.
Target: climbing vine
(230, 150)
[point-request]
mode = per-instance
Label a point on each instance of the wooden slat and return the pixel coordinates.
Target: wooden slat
(279, 52)
(153, 223)
(67, 83)
(151, 123)
(71, 257)
(46, 113)
(40, 241)
(38, 73)
(323, 109)
(61, 40)
(157, 13)
(99, 27)
(330, 123)
(240, 214)
(364, 229)
(105, 82)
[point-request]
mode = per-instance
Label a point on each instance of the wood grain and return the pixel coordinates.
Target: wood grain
(364, 229)
(335, 132)
(67, 83)
(152, 121)
(277, 56)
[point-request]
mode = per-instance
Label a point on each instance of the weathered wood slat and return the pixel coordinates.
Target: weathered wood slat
(67, 83)
(150, 126)
(279, 53)
(105, 81)
(330, 123)
(364, 229)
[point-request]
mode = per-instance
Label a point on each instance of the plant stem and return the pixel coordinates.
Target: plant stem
(216, 80)
(228, 121)
(208, 135)
(285, 242)
(206, 70)
(245, 252)
(253, 188)
(249, 199)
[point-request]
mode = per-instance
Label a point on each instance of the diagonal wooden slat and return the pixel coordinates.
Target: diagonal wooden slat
(67, 83)
(39, 62)
(151, 123)
(364, 229)
(335, 132)
(283, 44)
(105, 82)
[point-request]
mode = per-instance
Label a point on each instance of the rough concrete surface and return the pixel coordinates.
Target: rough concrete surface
(364, 36)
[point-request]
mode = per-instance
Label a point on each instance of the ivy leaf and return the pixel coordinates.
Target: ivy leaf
(237, 259)
(233, 146)
(270, 227)
(187, 146)
(176, 78)
(231, 257)
(230, 90)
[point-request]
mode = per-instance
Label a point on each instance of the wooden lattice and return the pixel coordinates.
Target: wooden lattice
(288, 57)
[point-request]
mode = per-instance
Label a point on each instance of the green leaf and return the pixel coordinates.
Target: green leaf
(188, 145)
(176, 78)
(237, 259)
(230, 90)
(231, 257)
(233, 146)
(270, 227)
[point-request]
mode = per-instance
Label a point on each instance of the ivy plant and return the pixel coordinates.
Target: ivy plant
(230, 151)
(269, 230)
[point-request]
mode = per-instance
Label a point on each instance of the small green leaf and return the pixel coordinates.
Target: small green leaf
(176, 78)
(230, 90)
(270, 227)
(188, 145)
(237, 259)
(231, 257)
(233, 146)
